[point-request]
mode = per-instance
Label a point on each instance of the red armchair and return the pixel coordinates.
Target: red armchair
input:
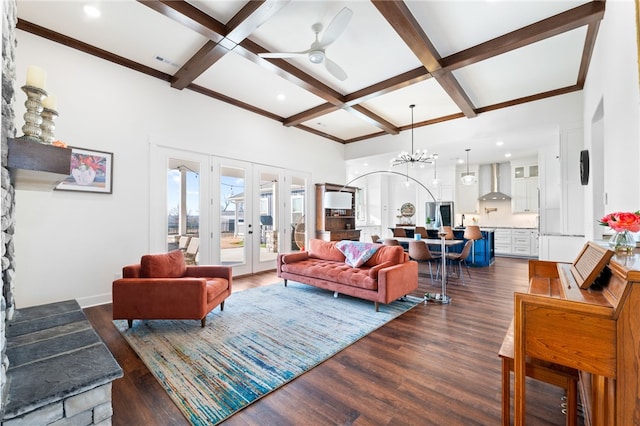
(161, 286)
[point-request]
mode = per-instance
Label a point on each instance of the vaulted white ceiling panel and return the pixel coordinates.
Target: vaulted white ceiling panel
(540, 67)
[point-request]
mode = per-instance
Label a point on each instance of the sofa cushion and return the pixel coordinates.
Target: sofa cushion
(356, 253)
(393, 254)
(326, 250)
(329, 270)
(164, 265)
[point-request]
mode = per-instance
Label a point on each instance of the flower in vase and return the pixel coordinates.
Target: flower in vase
(622, 221)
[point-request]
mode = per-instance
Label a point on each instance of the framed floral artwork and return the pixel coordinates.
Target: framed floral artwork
(91, 171)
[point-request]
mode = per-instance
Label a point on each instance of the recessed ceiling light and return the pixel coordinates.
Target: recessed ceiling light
(91, 11)
(460, 160)
(499, 143)
(508, 154)
(366, 164)
(281, 97)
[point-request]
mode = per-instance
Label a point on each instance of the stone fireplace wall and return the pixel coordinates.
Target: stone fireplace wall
(7, 302)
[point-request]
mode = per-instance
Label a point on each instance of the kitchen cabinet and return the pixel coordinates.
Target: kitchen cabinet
(524, 195)
(525, 171)
(502, 240)
(524, 187)
(335, 224)
(517, 242)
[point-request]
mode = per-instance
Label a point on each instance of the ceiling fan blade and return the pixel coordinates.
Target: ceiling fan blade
(336, 27)
(334, 69)
(281, 55)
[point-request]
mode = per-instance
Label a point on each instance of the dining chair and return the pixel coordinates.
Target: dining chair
(422, 231)
(473, 233)
(399, 232)
(449, 233)
(391, 242)
(461, 259)
(419, 252)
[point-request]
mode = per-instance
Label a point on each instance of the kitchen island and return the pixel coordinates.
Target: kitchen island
(483, 253)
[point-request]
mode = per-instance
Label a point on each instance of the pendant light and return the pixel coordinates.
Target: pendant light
(435, 181)
(468, 178)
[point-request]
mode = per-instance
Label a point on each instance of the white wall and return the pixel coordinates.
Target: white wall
(613, 79)
(70, 245)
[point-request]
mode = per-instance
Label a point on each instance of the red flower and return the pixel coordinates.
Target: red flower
(622, 221)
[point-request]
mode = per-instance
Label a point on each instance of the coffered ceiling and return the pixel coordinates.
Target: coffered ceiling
(452, 59)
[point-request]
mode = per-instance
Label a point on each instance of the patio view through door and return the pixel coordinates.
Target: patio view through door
(230, 212)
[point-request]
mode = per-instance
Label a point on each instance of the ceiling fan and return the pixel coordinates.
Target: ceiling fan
(316, 53)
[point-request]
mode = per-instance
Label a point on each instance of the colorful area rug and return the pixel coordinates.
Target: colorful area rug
(264, 338)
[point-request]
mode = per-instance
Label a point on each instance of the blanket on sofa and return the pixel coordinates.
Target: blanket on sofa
(357, 253)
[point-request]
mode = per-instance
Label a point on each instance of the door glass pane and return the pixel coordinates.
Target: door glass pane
(232, 215)
(183, 208)
(297, 212)
(268, 205)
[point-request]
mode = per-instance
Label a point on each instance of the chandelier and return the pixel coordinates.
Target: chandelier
(415, 156)
(468, 178)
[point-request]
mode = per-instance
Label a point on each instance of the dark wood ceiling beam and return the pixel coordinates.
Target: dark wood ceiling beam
(387, 86)
(310, 114)
(219, 96)
(407, 127)
(532, 98)
(222, 38)
(404, 23)
(189, 16)
(587, 52)
(373, 119)
(89, 49)
(558, 24)
(319, 133)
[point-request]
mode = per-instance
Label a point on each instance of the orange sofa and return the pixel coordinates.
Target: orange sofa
(386, 276)
(162, 286)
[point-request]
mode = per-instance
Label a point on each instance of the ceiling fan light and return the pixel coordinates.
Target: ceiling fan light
(316, 56)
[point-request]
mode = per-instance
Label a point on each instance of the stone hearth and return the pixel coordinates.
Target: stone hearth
(59, 368)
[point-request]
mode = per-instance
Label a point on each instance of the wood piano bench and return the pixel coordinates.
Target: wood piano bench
(545, 371)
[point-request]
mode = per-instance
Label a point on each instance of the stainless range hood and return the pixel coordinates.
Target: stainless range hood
(495, 193)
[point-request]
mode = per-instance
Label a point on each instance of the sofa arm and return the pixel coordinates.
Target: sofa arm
(153, 298)
(397, 281)
(290, 258)
(209, 271)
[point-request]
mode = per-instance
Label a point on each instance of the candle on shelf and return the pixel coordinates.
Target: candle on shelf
(36, 77)
(50, 102)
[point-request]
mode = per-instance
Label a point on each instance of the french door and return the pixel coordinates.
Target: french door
(260, 209)
(225, 211)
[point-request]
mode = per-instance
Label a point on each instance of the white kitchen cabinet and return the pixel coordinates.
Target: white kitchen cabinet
(524, 195)
(516, 242)
(502, 241)
(525, 171)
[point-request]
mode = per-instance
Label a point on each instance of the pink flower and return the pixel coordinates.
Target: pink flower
(622, 221)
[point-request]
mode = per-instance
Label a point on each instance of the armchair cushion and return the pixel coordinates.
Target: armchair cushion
(164, 265)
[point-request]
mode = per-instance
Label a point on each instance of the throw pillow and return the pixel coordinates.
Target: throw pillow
(164, 265)
(356, 253)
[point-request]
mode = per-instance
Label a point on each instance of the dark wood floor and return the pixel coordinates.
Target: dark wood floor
(434, 365)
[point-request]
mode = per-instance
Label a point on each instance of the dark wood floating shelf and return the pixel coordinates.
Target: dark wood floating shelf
(37, 166)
